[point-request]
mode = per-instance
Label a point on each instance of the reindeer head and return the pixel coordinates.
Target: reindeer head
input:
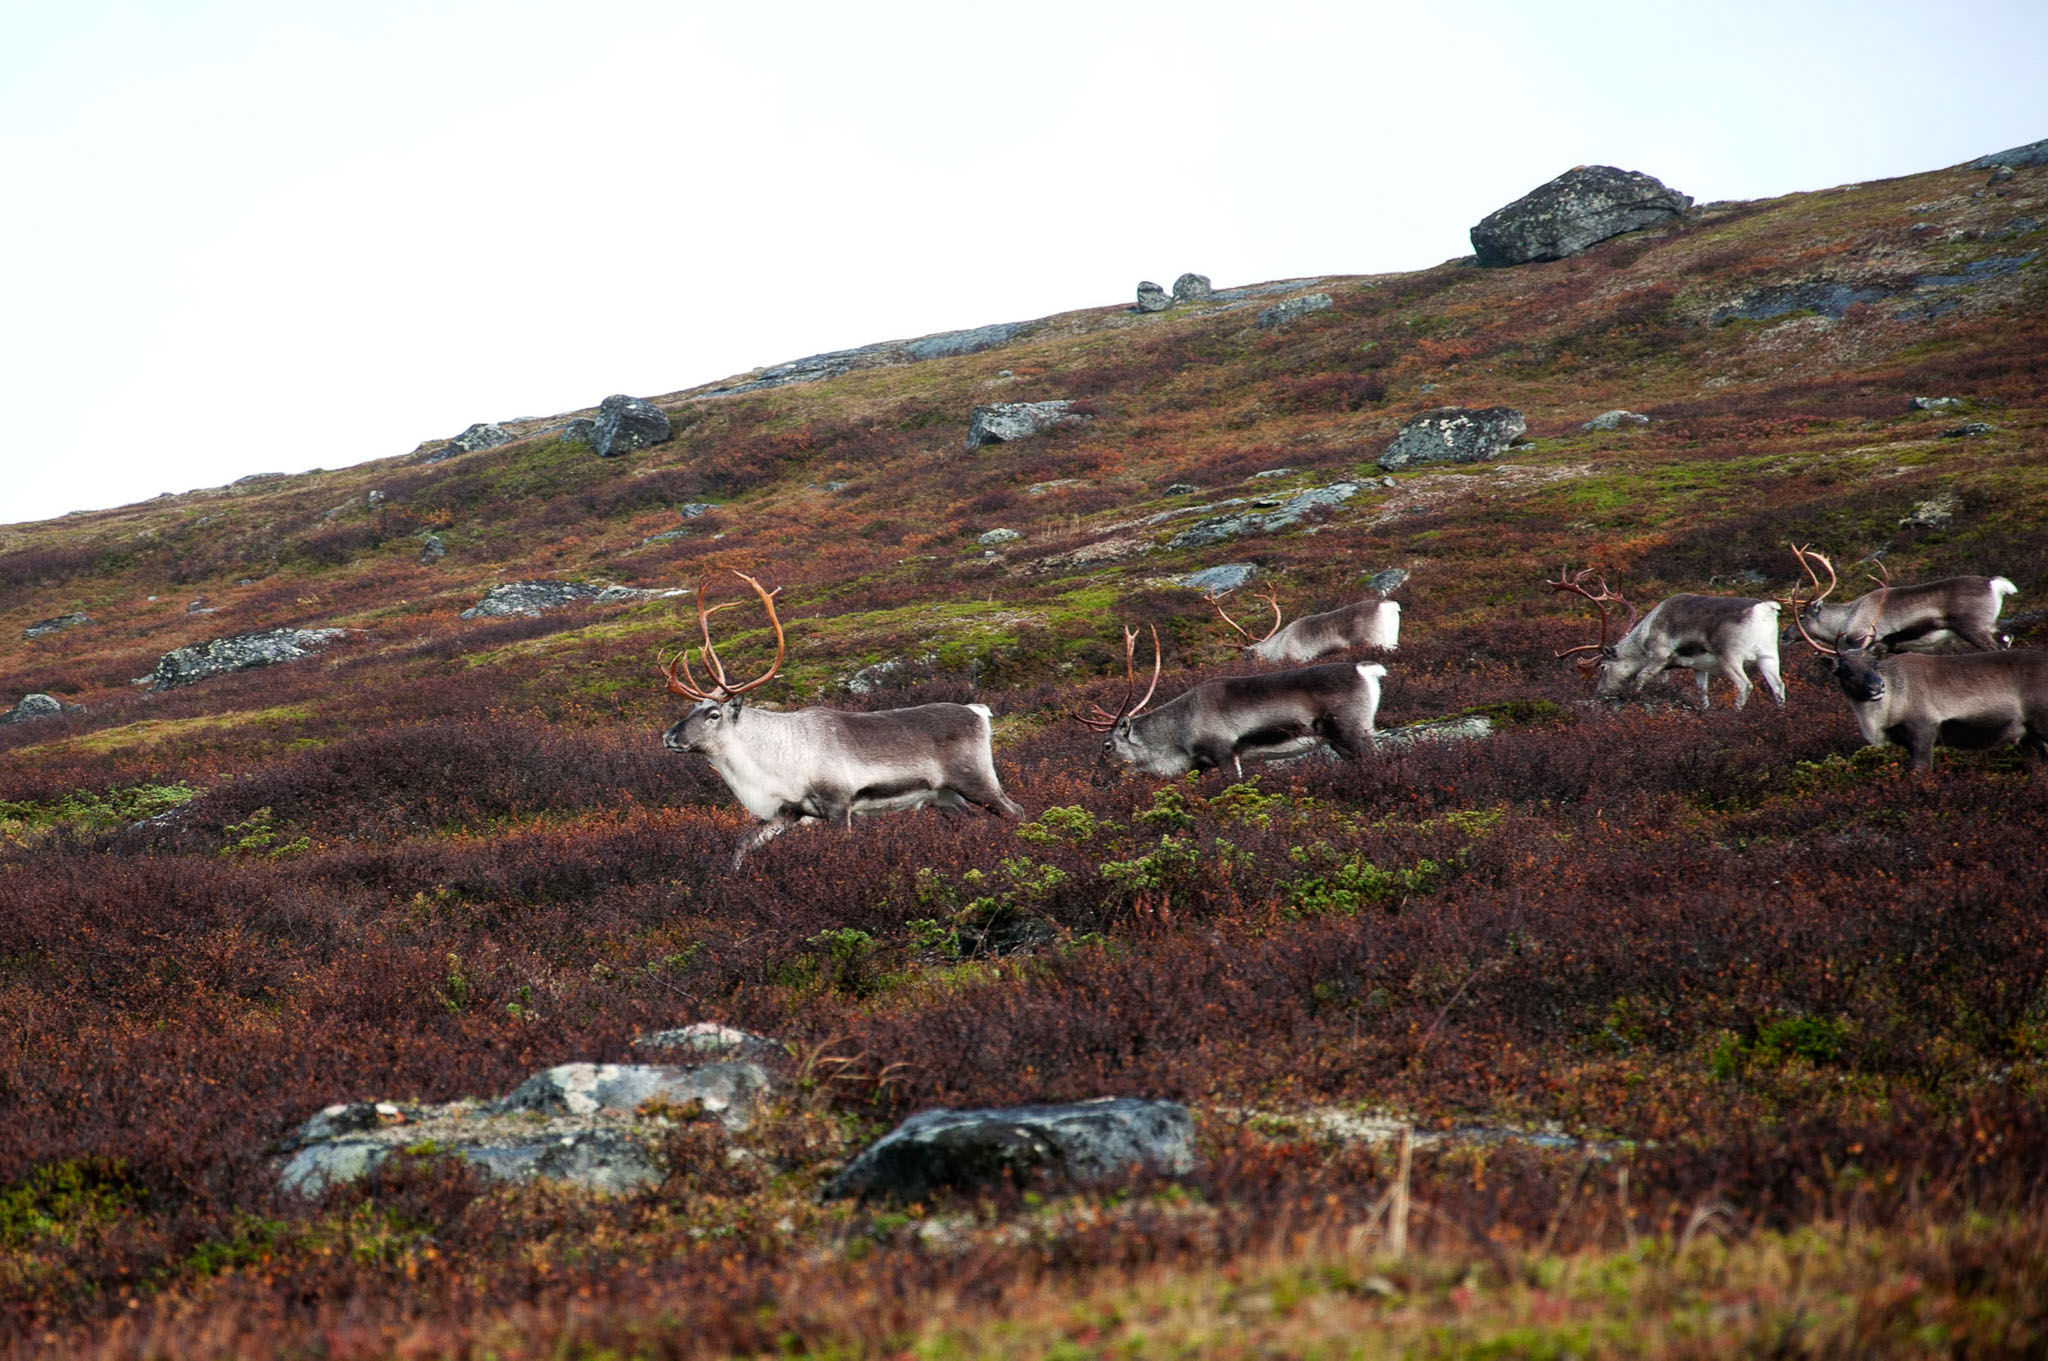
(1598, 665)
(1120, 746)
(718, 704)
(1852, 660)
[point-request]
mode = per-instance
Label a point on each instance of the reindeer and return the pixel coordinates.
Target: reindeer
(1704, 634)
(1917, 618)
(1970, 701)
(824, 765)
(1369, 623)
(1221, 722)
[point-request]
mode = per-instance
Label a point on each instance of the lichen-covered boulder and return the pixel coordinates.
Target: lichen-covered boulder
(34, 706)
(622, 424)
(482, 435)
(1454, 434)
(1001, 422)
(1580, 208)
(1615, 420)
(729, 1091)
(1082, 1144)
(1387, 581)
(239, 652)
(1152, 298)
(1191, 288)
(531, 598)
(994, 537)
(1293, 309)
(1226, 576)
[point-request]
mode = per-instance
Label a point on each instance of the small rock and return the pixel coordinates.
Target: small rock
(1469, 729)
(1152, 298)
(1085, 1143)
(665, 535)
(1970, 428)
(240, 652)
(1933, 403)
(1388, 581)
(57, 624)
(432, 550)
(1191, 288)
(1270, 472)
(1041, 488)
(1937, 512)
(709, 1037)
(2001, 173)
(198, 606)
(622, 425)
(1001, 422)
(35, 706)
(1453, 434)
(696, 509)
(1615, 420)
(614, 595)
(880, 676)
(374, 497)
(729, 1091)
(996, 536)
(1293, 309)
(531, 598)
(482, 435)
(1180, 489)
(1580, 208)
(834, 486)
(1223, 577)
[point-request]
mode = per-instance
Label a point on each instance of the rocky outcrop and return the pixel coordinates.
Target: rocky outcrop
(1388, 581)
(240, 652)
(432, 550)
(35, 706)
(1292, 310)
(56, 625)
(1284, 515)
(2019, 157)
(1937, 512)
(712, 1039)
(1226, 576)
(1001, 422)
(1191, 288)
(598, 1126)
(1968, 428)
(1580, 208)
(482, 435)
(1933, 403)
(817, 367)
(1086, 1143)
(1454, 434)
(622, 424)
(995, 537)
(1152, 298)
(531, 598)
(1615, 420)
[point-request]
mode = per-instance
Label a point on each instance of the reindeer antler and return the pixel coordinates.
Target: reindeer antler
(1103, 720)
(1271, 597)
(1575, 582)
(1803, 553)
(721, 688)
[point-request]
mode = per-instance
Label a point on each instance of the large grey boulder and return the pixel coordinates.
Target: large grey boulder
(622, 425)
(1454, 434)
(1152, 298)
(482, 435)
(1387, 581)
(1191, 288)
(728, 1091)
(1293, 310)
(1580, 208)
(239, 652)
(1001, 422)
(1082, 1144)
(1226, 576)
(56, 625)
(34, 706)
(1270, 519)
(2033, 153)
(531, 598)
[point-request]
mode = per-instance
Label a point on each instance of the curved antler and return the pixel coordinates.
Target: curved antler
(720, 687)
(1575, 582)
(1798, 606)
(1103, 720)
(1271, 597)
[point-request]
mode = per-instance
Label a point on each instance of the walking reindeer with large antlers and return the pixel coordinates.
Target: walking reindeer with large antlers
(1708, 635)
(1969, 701)
(1225, 721)
(826, 765)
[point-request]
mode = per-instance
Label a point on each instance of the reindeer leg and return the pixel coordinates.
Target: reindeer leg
(1732, 669)
(1767, 671)
(762, 835)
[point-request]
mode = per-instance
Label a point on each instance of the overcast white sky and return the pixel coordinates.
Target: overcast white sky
(252, 236)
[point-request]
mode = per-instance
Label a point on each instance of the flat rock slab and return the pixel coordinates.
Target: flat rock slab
(729, 1091)
(1083, 1144)
(239, 652)
(1580, 208)
(1226, 576)
(532, 597)
(1001, 422)
(1285, 515)
(56, 625)
(2019, 157)
(1293, 310)
(1454, 434)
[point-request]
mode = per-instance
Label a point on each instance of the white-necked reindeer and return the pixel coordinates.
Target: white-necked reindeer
(1970, 701)
(825, 765)
(1226, 721)
(1708, 635)
(1367, 624)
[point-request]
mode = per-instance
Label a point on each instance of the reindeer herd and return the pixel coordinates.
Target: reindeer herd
(825, 765)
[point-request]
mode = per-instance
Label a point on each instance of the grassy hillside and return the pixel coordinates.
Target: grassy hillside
(1784, 1005)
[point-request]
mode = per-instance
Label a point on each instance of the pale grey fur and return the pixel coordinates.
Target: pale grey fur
(1708, 635)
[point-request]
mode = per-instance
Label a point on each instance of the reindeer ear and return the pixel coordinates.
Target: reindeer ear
(732, 708)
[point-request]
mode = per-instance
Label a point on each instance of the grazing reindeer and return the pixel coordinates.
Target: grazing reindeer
(1916, 618)
(1969, 701)
(823, 765)
(1221, 722)
(1369, 623)
(1704, 634)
